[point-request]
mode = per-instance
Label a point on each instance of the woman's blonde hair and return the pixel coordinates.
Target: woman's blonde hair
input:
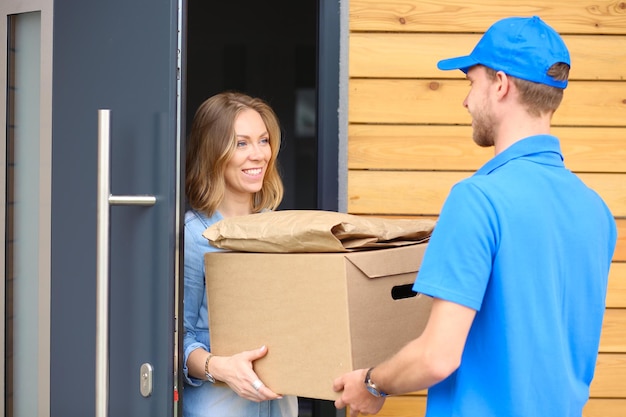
(212, 143)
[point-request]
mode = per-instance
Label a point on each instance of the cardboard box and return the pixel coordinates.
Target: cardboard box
(319, 314)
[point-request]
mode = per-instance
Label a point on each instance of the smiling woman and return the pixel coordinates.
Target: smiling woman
(233, 131)
(231, 171)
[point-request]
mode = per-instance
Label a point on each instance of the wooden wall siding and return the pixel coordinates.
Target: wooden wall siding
(613, 328)
(377, 54)
(415, 405)
(404, 192)
(589, 17)
(409, 137)
(450, 147)
(435, 101)
(616, 296)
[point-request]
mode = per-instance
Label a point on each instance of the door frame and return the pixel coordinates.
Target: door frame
(328, 104)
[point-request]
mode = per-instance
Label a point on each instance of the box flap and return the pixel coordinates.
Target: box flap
(386, 262)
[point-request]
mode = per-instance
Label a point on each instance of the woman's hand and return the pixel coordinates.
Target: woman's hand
(237, 371)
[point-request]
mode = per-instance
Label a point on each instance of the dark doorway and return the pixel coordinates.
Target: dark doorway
(265, 49)
(270, 50)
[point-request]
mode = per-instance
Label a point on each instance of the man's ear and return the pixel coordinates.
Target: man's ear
(503, 84)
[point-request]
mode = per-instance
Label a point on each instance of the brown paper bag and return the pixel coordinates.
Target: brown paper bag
(314, 231)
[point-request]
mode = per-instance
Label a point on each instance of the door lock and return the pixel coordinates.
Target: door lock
(145, 379)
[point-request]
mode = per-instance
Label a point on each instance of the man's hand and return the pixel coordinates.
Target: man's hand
(355, 395)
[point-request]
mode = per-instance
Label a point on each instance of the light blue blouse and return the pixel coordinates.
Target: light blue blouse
(201, 398)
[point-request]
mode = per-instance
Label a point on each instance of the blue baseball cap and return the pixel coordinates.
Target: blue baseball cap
(524, 47)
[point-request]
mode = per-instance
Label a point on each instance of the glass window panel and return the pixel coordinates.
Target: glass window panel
(22, 211)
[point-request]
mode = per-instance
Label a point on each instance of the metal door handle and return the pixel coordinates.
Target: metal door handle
(105, 201)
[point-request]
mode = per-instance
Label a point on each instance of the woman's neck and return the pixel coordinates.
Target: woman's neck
(232, 208)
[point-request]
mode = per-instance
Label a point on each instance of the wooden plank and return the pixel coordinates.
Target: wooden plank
(620, 249)
(616, 296)
(610, 377)
(586, 103)
(593, 149)
(598, 17)
(443, 147)
(404, 405)
(421, 147)
(600, 407)
(415, 55)
(613, 331)
(416, 192)
(415, 405)
(612, 188)
(404, 193)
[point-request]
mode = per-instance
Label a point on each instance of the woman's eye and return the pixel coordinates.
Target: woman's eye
(265, 141)
(241, 143)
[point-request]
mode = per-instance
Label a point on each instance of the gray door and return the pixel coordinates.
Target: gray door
(119, 55)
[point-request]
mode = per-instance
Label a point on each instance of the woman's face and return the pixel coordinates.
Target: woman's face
(246, 169)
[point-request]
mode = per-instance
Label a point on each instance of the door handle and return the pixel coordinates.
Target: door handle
(104, 201)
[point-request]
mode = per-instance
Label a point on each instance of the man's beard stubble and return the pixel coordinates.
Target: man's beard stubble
(483, 130)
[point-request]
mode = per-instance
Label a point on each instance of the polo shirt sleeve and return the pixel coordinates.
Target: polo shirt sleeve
(458, 259)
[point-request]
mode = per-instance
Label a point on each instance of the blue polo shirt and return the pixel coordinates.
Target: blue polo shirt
(528, 245)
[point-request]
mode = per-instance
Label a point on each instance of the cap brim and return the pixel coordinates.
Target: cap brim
(461, 63)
